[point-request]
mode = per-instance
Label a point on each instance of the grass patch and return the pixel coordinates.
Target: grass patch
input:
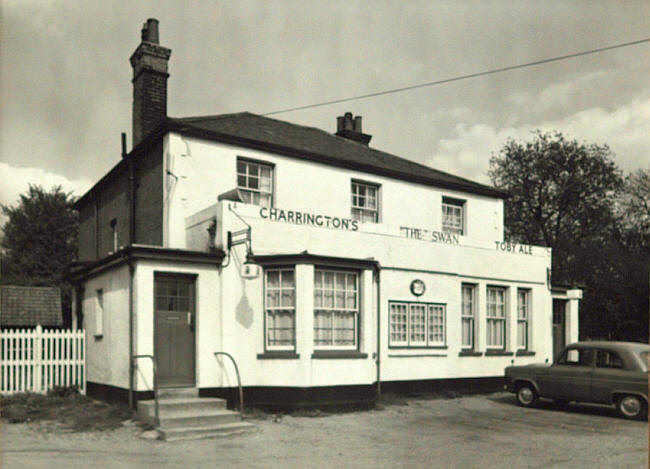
(69, 410)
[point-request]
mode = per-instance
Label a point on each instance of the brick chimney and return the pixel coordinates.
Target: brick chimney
(350, 128)
(149, 62)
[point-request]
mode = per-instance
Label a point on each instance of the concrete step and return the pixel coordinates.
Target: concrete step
(199, 418)
(199, 432)
(178, 392)
(176, 405)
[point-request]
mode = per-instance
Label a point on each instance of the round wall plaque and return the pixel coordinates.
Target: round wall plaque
(417, 287)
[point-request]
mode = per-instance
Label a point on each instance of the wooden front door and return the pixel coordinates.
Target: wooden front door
(559, 340)
(174, 343)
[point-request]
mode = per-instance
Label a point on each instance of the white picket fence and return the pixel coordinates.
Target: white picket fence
(39, 359)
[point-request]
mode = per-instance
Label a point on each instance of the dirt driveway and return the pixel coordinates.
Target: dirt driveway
(478, 431)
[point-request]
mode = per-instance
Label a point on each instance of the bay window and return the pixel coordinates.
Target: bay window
(280, 309)
(336, 309)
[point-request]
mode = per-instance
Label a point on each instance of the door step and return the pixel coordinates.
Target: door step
(178, 392)
(183, 415)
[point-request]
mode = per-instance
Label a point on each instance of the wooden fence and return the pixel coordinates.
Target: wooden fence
(36, 360)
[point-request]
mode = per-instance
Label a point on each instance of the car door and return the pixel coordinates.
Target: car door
(609, 374)
(570, 377)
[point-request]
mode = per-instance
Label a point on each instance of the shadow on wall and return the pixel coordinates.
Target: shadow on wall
(244, 312)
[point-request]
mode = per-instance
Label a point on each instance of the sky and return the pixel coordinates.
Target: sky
(66, 92)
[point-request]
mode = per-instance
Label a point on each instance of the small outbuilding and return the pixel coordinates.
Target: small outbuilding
(26, 306)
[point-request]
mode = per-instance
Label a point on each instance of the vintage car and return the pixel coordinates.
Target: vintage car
(598, 372)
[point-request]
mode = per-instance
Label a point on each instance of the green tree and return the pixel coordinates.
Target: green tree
(561, 194)
(40, 240)
(569, 196)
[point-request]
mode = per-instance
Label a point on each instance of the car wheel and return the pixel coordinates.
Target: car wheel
(527, 395)
(631, 407)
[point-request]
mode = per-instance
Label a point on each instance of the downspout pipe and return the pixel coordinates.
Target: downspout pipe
(378, 357)
(131, 204)
(131, 190)
(131, 335)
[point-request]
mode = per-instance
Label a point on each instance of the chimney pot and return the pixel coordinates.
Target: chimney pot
(152, 31)
(348, 123)
(339, 123)
(357, 124)
(349, 127)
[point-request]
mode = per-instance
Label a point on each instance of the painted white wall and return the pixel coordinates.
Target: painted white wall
(107, 356)
(443, 268)
(208, 321)
(197, 171)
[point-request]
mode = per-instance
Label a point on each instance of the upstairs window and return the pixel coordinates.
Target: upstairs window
(255, 182)
(365, 207)
(114, 233)
(453, 215)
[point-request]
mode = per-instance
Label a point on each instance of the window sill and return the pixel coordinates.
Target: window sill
(498, 353)
(417, 355)
(415, 347)
(277, 354)
(525, 353)
(470, 353)
(333, 354)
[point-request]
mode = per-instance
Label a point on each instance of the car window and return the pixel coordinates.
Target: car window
(608, 359)
(576, 357)
(644, 360)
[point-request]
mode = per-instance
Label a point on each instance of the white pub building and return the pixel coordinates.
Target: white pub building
(328, 270)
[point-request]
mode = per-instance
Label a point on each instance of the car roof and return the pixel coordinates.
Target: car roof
(612, 345)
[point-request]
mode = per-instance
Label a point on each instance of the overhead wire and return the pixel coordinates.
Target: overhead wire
(461, 77)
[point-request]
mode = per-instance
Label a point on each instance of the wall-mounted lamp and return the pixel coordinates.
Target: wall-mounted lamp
(249, 268)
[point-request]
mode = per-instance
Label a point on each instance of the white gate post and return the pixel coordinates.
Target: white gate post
(38, 358)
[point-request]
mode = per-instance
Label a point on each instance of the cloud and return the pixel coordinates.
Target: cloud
(624, 129)
(16, 181)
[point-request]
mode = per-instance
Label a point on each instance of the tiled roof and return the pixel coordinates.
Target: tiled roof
(316, 144)
(308, 143)
(30, 306)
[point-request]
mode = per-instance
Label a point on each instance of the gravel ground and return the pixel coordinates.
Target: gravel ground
(478, 431)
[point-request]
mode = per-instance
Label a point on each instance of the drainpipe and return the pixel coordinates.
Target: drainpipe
(131, 191)
(131, 334)
(378, 358)
(131, 203)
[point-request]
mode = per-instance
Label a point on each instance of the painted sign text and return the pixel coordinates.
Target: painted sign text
(514, 248)
(428, 235)
(304, 218)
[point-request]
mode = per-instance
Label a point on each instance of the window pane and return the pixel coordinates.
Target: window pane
(398, 322)
(468, 333)
(241, 167)
(287, 279)
(417, 320)
(273, 279)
